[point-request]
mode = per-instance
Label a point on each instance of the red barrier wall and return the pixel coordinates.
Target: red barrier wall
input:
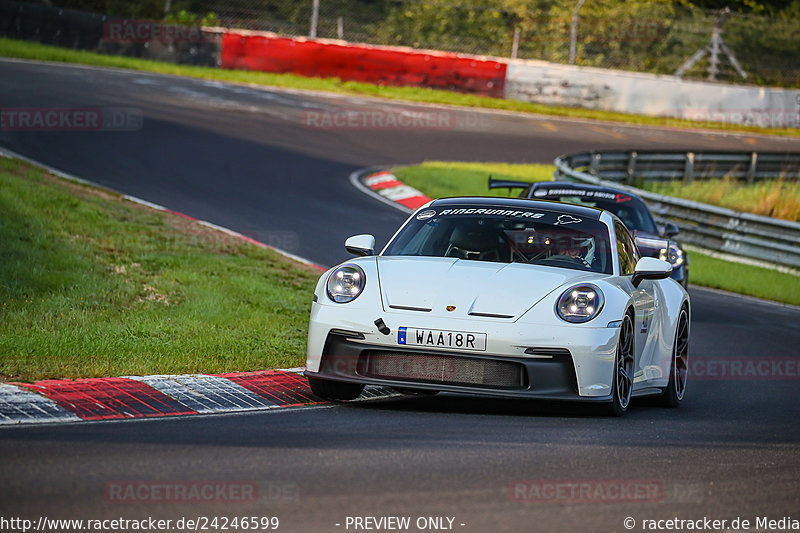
(380, 65)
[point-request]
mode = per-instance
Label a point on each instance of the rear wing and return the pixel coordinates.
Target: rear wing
(507, 184)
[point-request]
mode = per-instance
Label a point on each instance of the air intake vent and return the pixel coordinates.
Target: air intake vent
(490, 315)
(411, 308)
(438, 368)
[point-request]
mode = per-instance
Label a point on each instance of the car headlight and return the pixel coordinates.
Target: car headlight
(346, 283)
(580, 303)
(673, 254)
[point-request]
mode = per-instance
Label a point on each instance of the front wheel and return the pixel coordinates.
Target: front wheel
(679, 365)
(335, 390)
(622, 380)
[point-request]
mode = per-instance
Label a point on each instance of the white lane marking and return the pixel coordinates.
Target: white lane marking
(206, 394)
(5, 152)
(19, 405)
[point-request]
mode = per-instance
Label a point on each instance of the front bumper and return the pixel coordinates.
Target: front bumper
(562, 362)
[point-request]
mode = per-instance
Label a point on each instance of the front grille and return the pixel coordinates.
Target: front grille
(439, 368)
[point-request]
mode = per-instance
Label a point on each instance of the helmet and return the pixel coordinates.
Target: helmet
(577, 241)
(472, 241)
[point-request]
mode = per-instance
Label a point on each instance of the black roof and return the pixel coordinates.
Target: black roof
(519, 203)
(571, 185)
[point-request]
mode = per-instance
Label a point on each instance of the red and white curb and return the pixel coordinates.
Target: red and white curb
(51, 401)
(385, 187)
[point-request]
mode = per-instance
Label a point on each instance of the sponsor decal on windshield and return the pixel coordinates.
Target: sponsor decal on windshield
(555, 193)
(490, 211)
(425, 215)
(622, 198)
(567, 219)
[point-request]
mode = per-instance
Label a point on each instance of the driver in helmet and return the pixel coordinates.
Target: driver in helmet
(578, 247)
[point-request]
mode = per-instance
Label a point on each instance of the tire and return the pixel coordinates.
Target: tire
(622, 379)
(679, 365)
(686, 278)
(335, 390)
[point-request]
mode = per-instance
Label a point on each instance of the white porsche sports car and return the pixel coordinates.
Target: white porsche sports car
(502, 297)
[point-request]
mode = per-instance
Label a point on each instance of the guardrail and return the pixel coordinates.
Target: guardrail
(627, 167)
(717, 228)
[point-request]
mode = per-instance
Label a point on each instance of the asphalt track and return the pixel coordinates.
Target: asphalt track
(246, 158)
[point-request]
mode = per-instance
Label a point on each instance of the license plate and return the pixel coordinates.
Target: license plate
(461, 340)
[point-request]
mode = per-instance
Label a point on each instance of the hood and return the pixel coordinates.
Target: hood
(477, 289)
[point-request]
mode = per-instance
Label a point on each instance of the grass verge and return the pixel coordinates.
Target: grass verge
(773, 198)
(716, 273)
(35, 51)
(439, 178)
(94, 285)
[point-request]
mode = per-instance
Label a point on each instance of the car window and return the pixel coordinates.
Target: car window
(626, 250)
(506, 235)
(632, 211)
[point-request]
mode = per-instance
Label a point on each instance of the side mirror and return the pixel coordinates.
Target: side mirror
(670, 230)
(650, 268)
(360, 245)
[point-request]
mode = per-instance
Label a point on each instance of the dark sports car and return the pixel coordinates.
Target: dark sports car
(652, 240)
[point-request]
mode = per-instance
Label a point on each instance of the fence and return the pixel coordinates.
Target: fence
(105, 34)
(716, 228)
(652, 37)
(632, 35)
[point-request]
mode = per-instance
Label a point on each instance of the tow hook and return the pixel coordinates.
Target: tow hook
(382, 327)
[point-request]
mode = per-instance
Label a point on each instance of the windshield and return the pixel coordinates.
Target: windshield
(506, 235)
(631, 211)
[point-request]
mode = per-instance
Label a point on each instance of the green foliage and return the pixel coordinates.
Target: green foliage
(93, 285)
(771, 198)
(647, 36)
(210, 19)
(185, 18)
(485, 26)
(655, 36)
(141, 9)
